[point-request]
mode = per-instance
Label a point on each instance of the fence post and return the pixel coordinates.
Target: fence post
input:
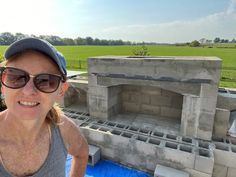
(79, 62)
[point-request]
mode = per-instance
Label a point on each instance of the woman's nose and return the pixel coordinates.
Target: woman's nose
(29, 88)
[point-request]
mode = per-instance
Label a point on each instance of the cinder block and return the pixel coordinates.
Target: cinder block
(186, 148)
(125, 96)
(98, 91)
(179, 158)
(204, 161)
(104, 129)
(94, 155)
(127, 134)
(135, 97)
(203, 144)
(223, 157)
(219, 171)
(95, 127)
(163, 171)
(171, 137)
(171, 112)
(158, 134)
(221, 146)
(141, 138)
(154, 141)
(145, 99)
(157, 100)
(144, 131)
(177, 101)
(111, 124)
(122, 126)
(149, 109)
(231, 172)
(116, 132)
(221, 122)
(195, 173)
(186, 140)
(133, 129)
(130, 107)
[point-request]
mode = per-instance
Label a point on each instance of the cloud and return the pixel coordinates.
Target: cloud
(222, 24)
(232, 7)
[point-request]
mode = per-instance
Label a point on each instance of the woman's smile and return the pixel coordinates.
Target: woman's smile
(28, 103)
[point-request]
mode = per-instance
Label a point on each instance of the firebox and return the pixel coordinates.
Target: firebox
(176, 94)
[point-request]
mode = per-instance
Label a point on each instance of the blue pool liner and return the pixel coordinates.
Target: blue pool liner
(107, 168)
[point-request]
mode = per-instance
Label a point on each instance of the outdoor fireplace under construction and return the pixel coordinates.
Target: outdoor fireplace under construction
(174, 94)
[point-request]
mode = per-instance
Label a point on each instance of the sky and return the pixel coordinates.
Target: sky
(162, 21)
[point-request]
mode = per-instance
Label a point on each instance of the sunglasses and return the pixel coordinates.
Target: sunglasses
(16, 78)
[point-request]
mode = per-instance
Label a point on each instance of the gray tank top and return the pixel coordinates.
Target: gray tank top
(54, 166)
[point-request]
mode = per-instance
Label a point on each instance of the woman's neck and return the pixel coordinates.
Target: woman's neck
(23, 131)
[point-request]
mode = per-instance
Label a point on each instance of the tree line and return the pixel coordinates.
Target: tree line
(7, 38)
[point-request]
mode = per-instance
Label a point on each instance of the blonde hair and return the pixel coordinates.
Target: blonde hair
(54, 115)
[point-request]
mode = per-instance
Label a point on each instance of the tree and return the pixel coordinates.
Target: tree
(96, 41)
(79, 41)
(195, 43)
(19, 36)
(202, 41)
(6, 38)
(143, 51)
(68, 41)
(56, 40)
(217, 40)
(89, 41)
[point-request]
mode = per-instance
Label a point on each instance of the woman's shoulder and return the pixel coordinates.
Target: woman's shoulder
(73, 139)
(66, 123)
(69, 130)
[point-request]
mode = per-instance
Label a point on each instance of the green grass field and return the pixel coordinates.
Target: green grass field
(226, 52)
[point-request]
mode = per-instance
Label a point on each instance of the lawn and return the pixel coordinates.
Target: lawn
(77, 55)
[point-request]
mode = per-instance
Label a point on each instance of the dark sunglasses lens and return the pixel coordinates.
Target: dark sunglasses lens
(14, 78)
(47, 82)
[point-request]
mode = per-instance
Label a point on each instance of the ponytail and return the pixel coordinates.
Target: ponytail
(54, 115)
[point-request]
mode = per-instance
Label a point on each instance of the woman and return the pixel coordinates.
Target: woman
(35, 136)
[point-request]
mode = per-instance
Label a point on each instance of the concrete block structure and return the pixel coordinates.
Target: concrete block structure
(153, 113)
(182, 90)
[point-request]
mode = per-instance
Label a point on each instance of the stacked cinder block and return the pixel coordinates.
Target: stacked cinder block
(194, 78)
(144, 149)
(151, 100)
(225, 155)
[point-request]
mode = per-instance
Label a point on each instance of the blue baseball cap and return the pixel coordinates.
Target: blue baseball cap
(41, 46)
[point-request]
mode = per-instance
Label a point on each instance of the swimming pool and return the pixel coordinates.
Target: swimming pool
(107, 168)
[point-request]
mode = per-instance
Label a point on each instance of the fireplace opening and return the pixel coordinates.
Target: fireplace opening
(146, 107)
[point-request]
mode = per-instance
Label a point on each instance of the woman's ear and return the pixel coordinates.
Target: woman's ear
(60, 96)
(2, 90)
(63, 89)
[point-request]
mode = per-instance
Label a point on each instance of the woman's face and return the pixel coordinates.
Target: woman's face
(28, 103)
